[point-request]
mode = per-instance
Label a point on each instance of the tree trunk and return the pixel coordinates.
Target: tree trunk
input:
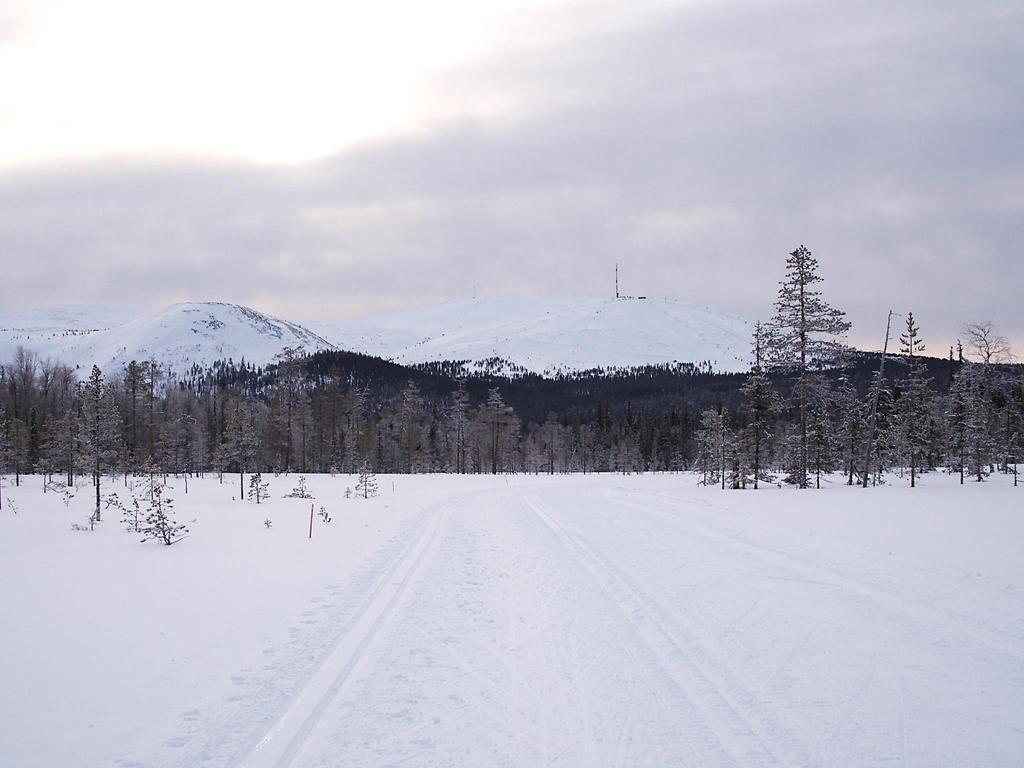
(97, 490)
(757, 453)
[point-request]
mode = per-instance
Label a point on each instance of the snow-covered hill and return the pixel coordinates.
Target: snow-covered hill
(178, 336)
(552, 335)
(544, 336)
(82, 318)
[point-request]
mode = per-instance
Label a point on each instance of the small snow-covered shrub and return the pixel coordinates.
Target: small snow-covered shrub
(300, 491)
(159, 524)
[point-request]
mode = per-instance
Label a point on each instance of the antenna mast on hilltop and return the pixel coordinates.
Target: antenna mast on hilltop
(616, 280)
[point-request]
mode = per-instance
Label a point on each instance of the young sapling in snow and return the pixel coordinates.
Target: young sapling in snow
(258, 488)
(131, 512)
(159, 524)
(367, 485)
(300, 491)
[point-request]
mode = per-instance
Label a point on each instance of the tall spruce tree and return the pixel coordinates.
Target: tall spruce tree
(458, 426)
(241, 440)
(134, 388)
(100, 431)
(761, 404)
(978, 444)
(715, 448)
(820, 428)
(913, 406)
(851, 415)
(3, 455)
(806, 331)
(501, 427)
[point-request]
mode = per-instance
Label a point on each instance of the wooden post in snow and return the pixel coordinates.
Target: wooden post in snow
(311, 521)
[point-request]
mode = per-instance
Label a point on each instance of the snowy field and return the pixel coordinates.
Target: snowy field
(520, 621)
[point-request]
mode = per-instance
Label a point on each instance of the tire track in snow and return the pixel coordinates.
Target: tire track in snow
(280, 745)
(724, 702)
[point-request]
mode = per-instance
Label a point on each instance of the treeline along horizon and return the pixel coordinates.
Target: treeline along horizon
(798, 414)
(332, 410)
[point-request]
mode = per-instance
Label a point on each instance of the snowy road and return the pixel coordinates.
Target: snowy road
(610, 628)
(523, 621)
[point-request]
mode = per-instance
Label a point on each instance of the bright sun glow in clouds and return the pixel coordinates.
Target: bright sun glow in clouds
(270, 82)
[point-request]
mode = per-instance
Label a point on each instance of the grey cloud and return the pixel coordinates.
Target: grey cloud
(695, 149)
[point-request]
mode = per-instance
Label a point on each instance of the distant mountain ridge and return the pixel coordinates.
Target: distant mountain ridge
(551, 336)
(179, 336)
(494, 335)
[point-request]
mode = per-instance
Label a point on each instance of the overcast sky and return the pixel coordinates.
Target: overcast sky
(326, 160)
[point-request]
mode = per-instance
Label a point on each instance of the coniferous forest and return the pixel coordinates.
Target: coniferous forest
(808, 407)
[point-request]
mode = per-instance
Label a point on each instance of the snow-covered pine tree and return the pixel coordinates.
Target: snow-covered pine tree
(627, 450)
(19, 379)
(355, 438)
(152, 374)
(500, 428)
(989, 349)
(887, 434)
(714, 448)
(913, 407)
(1015, 445)
(288, 386)
(806, 330)
(820, 428)
(551, 443)
(134, 389)
(159, 524)
(706, 462)
(761, 404)
(410, 440)
(131, 510)
(457, 417)
(851, 418)
(259, 489)
(3, 456)
(957, 417)
(304, 426)
(1015, 441)
(150, 475)
(131, 515)
(17, 448)
(979, 443)
(100, 429)
(51, 457)
(367, 485)
(240, 441)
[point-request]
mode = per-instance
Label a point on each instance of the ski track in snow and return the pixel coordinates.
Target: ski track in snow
(268, 719)
(278, 747)
(513, 627)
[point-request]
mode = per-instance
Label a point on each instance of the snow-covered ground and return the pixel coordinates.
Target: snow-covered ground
(520, 621)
